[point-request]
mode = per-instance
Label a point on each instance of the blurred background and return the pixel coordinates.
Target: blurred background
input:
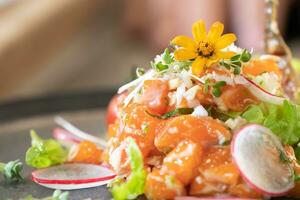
(52, 47)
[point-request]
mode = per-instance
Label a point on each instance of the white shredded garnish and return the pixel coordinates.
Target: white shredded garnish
(190, 94)
(186, 79)
(236, 123)
(174, 83)
(197, 78)
(221, 138)
(233, 48)
(79, 133)
(137, 88)
(180, 94)
(135, 82)
(200, 111)
(269, 81)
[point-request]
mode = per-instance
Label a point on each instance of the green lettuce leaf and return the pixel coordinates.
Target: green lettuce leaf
(44, 153)
(135, 182)
(283, 120)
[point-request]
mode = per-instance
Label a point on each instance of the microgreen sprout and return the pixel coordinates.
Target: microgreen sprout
(235, 62)
(11, 171)
(216, 91)
(163, 64)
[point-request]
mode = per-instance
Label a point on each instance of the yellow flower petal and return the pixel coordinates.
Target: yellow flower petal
(225, 40)
(225, 54)
(199, 31)
(215, 32)
(184, 41)
(198, 65)
(183, 54)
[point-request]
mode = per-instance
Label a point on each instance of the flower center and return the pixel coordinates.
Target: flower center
(205, 49)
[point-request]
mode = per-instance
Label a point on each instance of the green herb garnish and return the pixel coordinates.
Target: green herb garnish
(166, 57)
(216, 91)
(159, 66)
(12, 171)
(166, 60)
(206, 86)
(236, 61)
(44, 153)
(173, 113)
(135, 182)
(221, 115)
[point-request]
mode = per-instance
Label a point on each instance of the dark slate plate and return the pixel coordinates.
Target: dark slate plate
(18, 117)
(14, 140)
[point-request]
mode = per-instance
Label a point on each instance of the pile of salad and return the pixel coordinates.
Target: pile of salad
(208, 119)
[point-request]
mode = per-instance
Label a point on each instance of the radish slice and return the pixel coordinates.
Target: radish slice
(73, 176)
(257, 153)
(65, 137)
(262, 94)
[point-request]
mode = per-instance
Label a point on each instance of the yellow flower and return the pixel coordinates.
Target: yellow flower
(204, 49)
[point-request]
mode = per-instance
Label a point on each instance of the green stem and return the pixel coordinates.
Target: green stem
(2, 165)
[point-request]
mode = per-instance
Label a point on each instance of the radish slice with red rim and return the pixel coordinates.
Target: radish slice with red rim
(73, 176)
(65, 137)
(258, 153)
(262, 94)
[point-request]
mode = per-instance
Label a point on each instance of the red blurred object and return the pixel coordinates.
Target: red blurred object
(64, 135)
(113, 108)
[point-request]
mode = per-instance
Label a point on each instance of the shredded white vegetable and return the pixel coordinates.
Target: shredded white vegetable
(79, 133)
(135, 82)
